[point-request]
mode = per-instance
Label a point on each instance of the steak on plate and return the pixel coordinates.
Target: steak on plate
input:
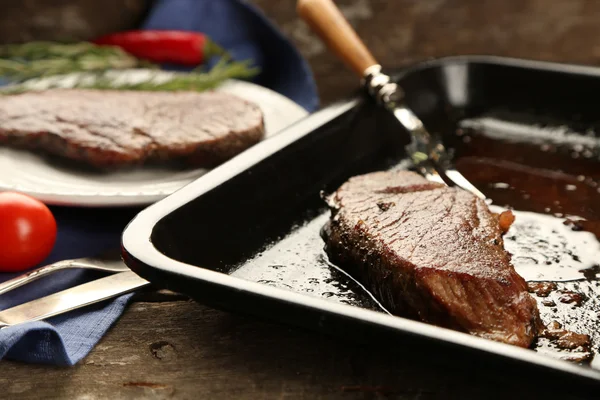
(432, 253)
(111, 128)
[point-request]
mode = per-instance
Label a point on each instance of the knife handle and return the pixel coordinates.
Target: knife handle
(327, 21)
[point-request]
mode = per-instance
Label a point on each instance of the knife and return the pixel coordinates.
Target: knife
(73, 298)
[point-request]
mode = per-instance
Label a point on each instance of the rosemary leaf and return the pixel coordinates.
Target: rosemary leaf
(19, 62)
(193, 81)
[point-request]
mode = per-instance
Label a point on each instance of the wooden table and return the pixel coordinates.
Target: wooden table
(167, 346)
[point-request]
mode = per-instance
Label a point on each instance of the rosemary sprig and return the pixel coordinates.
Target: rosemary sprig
(19, 62)
(194, 81)
(40, 50)
(197, 81)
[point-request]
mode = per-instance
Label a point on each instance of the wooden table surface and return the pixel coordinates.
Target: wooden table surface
(170, 347)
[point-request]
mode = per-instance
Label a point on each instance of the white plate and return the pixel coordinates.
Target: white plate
(63, 184)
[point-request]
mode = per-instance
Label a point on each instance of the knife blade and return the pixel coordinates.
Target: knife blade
(73, 298)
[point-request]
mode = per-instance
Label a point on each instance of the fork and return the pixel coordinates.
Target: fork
(427, 154)
(108, 262)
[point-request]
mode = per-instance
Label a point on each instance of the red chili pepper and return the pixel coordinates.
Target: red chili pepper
(176, 47)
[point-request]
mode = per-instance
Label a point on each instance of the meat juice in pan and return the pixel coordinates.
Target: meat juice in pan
(548, 176)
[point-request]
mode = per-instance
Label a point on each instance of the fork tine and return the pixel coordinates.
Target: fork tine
(430, 173)
(108, 261)
(450, 177)
(31, 276)
(459, 180)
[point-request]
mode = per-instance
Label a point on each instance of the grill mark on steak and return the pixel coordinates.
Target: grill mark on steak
(392, 224)
(409, 189)
(52, 142)
(437, 255)
(434, 224)
(401, 217)
(89, 128)
(109, 128)
(140, 131)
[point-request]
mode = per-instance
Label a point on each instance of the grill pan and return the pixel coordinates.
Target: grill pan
(246, 236)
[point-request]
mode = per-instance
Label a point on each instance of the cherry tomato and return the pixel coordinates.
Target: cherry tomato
(27, 231)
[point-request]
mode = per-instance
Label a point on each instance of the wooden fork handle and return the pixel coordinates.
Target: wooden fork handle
(327, 21)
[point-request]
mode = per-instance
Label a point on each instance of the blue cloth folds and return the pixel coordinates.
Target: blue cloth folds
(64, 340)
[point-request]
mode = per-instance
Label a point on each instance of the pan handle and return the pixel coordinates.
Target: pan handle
(327, 21)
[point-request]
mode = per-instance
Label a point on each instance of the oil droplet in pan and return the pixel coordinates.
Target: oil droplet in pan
(543, 248)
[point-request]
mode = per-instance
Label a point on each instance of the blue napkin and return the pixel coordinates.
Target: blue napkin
(64, 340)
(247, 34)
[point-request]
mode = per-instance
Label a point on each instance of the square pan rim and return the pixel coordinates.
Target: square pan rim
(524, 63)
(137, 246)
